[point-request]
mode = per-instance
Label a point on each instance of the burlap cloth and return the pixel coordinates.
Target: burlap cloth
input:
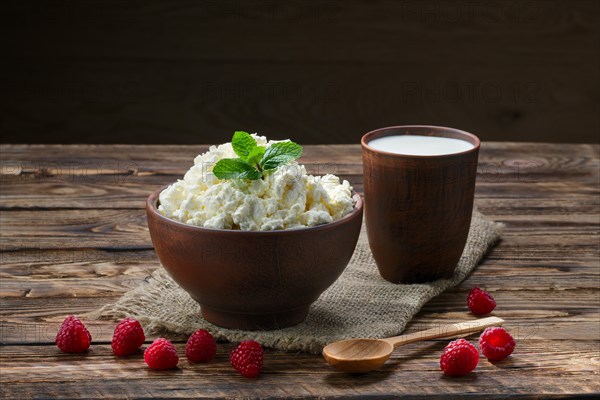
(359, 304)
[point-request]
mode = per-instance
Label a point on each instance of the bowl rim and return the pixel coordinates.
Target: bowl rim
(366, 138)
(152, 202)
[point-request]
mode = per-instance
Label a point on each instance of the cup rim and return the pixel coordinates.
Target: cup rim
(152, 207)
(474, 140)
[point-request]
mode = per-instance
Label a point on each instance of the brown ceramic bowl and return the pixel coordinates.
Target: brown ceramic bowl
(254, 280)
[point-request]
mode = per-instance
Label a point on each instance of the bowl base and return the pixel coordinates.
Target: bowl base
(255, 322)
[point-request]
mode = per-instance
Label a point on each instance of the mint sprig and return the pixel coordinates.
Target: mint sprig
(243, 144)
(235, 168)
(256, 154)
(255, 161)
(279, 154)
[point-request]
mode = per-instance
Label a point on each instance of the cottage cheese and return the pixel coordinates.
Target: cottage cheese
(288, 198)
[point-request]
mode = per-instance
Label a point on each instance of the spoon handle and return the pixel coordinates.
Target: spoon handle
(443, 331)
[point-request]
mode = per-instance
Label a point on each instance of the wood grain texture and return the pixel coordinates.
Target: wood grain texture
(74, 237)
(150, 71)
(414, 366)
(92, 176)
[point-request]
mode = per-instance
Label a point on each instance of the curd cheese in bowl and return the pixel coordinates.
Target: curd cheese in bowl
(254, 240)
(287, 198)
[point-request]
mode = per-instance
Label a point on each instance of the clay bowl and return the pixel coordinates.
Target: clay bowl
(254, 280)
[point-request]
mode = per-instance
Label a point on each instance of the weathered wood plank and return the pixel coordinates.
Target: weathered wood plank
(107, 279)
(91, 283)
(525, 324)
(571, 315)
(77, 262)
(495, 157)
(123, 229)
(104, 193)
(548, 364)
(95, 176)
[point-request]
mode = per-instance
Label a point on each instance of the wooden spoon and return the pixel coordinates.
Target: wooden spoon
(362, 355)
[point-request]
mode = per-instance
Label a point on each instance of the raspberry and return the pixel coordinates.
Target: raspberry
(128, 337)
(161, 354)
(496, 343)
(480, 301)
(459, 358)
(247, 358)
(73, 336)
(200, 347)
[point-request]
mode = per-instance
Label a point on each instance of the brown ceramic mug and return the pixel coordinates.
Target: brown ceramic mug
(418, 207)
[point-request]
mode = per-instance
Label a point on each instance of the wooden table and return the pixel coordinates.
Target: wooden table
(74, 237)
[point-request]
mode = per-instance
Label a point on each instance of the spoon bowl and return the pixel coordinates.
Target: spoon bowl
(363, 355)
(358, 355)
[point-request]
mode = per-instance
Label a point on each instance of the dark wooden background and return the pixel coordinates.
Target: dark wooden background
(317, 71)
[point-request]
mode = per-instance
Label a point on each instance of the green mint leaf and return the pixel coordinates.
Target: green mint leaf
(242, 144)
(234, 168)
(255, 155)
(279, 154)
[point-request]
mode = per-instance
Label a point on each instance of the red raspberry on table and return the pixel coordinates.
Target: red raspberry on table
(127, 338)
(480, 302)
(200, 347)
(496, 343)
(247, 358)
(73, 336)
(161, 354)
(459, 358)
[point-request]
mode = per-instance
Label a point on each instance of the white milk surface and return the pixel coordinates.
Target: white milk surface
(415, 145)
